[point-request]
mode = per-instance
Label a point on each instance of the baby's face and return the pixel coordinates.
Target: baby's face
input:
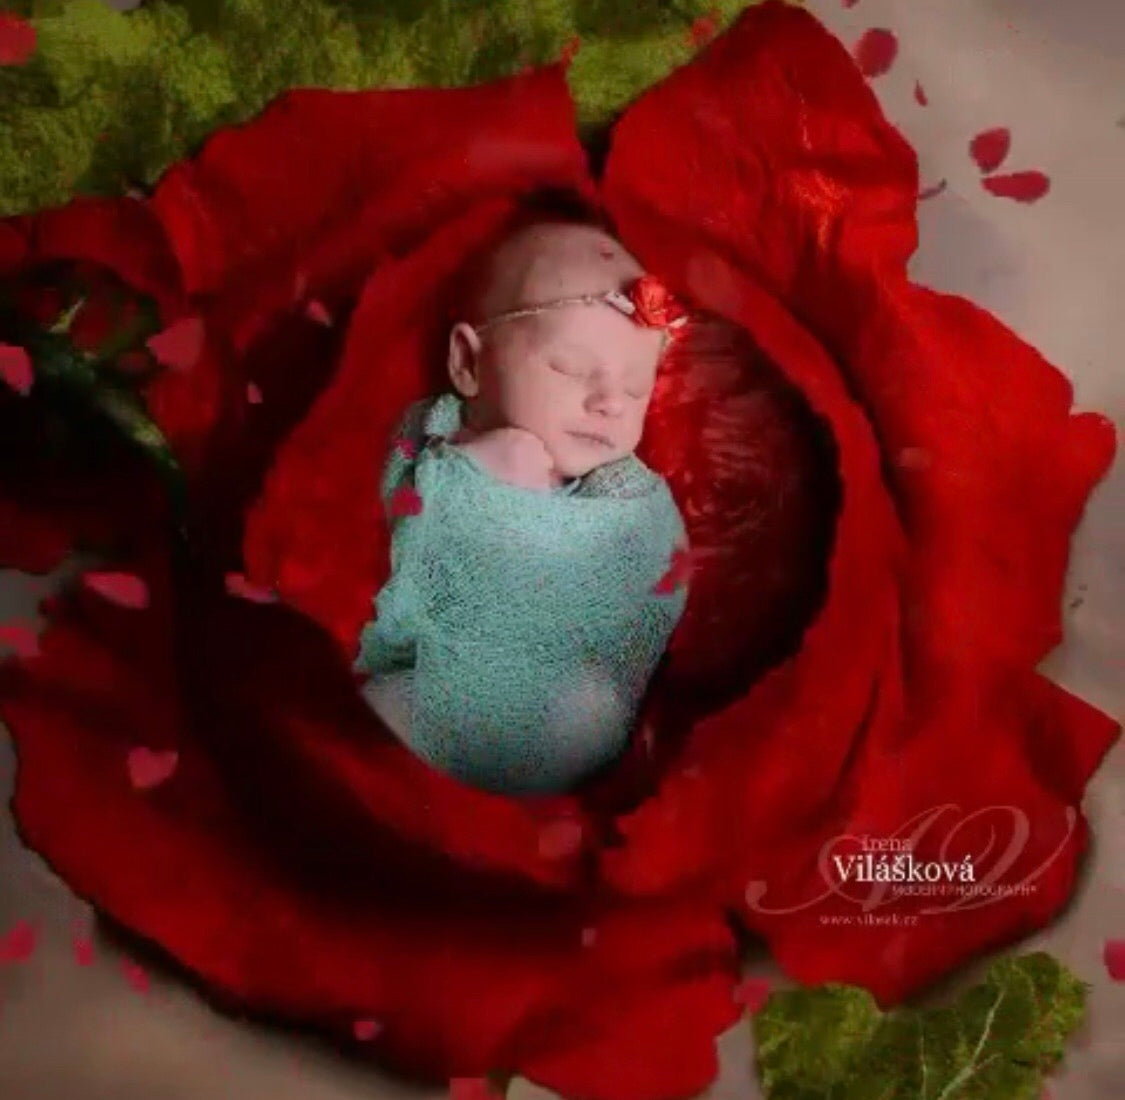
(579, 377)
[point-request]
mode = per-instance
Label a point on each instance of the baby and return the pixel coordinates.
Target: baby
(527, 606)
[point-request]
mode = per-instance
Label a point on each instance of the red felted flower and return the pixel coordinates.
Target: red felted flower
(654, 304)
(861, 637)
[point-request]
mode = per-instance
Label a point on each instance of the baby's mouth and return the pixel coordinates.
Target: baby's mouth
(592, 437)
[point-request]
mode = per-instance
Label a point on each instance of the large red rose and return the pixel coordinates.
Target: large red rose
(880, 484)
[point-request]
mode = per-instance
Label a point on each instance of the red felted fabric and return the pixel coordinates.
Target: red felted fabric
(879, 482)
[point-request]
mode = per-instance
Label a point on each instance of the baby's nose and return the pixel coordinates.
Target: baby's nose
(606, 399)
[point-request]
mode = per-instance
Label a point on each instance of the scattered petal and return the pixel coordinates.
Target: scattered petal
(589, 937)
(704, 28)
(23, 638)
(123, 589)
(933, 192)
(472, 1088)
(407, 447)
(238, 585)
(15, 368)
(18, 944)
(135, 975)
(752, 993)
(318, 312)
(1021, 186)
(679, 570)
(560, 838)
(83, 950)
(366, 1030)
(148, 768)
(850, 3)
(990, 147)
(572, 46)
(17, 39)
(253, 394)
(406, 502)
(1113, 953)
(920, 96)
(876, 51)
(180, 345)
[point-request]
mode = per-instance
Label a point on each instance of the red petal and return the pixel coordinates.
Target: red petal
(237, 585)
(15, 369)
(17, 40)
(316, 311)
(148, 769)
(366, 1030)
(136, 976)
(253, 394)
(1113, 954)
(406, 502)
(876, 51)
(990, 147)
(703, 29)
(920, 94)
(570, 49)
(753, 993)
(1021, 186)
(123, 589)
(19, 943)
(180, 345)
(83, 950)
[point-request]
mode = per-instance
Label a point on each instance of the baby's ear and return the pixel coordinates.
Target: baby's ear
(464, 359)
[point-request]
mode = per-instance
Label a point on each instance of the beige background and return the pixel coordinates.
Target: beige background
(1054, 73)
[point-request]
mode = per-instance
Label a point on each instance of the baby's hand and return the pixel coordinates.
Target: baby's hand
(513, 455)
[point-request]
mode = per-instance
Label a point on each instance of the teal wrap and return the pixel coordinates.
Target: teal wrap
(530, 621)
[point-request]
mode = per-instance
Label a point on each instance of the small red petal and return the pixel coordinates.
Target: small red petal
(180, 345)
(406, 502)
(560, 839)
(83, 950)
(679, 569)
(135, 975)
(238, 585)
(407, 447)
(589, 937)
(123, 589)
(990, 147)
(933, 192)
(15, 368)
(752, 993)
(850, 3)
(19, 944)
(573, 45)
(1021, 186)
(472, 1088)
(876, 51)
(17, 39)
(1113, 953)
(318, 312)
(148, 769)
(21, 637)
(366, 1030)
(920, 94)
(253, 394)
(704, 28)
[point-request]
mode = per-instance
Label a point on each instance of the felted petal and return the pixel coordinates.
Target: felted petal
(964, 475)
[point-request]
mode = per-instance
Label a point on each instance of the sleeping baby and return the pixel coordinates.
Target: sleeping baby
(528, 604)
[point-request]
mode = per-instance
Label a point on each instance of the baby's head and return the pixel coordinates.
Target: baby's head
(577, 375)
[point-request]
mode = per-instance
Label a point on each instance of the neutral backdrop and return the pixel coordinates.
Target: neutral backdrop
(1054, 74)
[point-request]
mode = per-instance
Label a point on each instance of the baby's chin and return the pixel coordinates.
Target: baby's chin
(571, 463)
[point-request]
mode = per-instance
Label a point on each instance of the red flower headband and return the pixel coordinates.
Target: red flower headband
(646, 300)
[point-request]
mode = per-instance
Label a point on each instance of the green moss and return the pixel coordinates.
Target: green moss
(111, 99)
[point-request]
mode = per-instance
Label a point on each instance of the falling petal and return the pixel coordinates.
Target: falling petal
(876, 51)
(148, 769)
(1021, 186)
(15, 369)
(920, 94)
(19, 944)
(589, 937)
(123, 589)
(253, 394)
(366, 1030)
(83, 950)
(560, 839)
(572, 46)
(990, 147)
(180, 345)
(20, 637)
(17, 39)
(407, 447)
(1113, 953)
(135, 975)
(318, 312)
(238, 585)
(704, 28)
(406, 502)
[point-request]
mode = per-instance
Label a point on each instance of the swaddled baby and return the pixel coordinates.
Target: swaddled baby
(529, 599)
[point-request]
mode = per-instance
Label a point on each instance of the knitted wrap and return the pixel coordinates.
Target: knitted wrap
(530, 621)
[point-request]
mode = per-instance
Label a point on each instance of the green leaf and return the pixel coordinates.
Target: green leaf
(110, 99)
(995, 1043)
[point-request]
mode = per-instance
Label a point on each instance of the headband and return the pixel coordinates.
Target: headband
(646, 300)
